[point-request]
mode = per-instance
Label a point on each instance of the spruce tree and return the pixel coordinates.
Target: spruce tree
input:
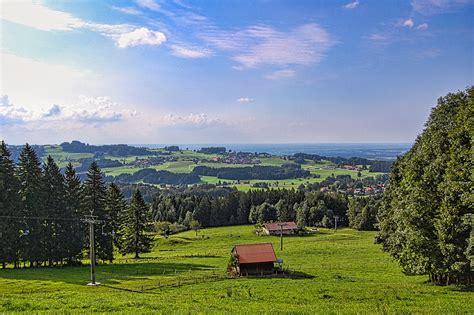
(55, 226)
(133, 227)
(31, 195)
(94, 204)
(9, 209)
(115, 208)
(73, 210)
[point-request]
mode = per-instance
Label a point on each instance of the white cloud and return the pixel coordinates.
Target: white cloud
(351, 5)
(85, 110)
(190, 119)
(422, 27)
(191, 52)
(281, 74)
(262, 45)
(141, 36)
(245, 100)
(379, 37)
(37, 15)
(128, 10)
(149, 4)
(182, 4)
(430, 7)
(11, 114)
(408, 23)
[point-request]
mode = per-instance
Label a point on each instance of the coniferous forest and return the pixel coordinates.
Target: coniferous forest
(42, 213)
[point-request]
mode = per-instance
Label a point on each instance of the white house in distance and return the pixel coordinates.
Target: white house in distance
(286, 228)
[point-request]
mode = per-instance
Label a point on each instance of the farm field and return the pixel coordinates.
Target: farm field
(345, 273)
(186, 162)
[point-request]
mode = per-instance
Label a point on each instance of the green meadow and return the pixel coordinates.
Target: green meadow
(340, 272)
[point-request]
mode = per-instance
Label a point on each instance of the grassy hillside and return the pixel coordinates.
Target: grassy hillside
(185, 273)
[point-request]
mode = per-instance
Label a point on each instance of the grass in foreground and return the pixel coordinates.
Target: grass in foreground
(186, 273)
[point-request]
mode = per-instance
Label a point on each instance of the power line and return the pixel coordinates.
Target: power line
(40, 218)
(48, 218)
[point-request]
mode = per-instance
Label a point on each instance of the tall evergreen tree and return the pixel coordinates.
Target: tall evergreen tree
(9, 209)
(133, 227)
(115, 207)
(31, 195)
(94, 204)
(54, 227)
(73, 210)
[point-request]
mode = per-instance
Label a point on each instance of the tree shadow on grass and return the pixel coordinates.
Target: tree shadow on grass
(107, 274)
(293, 274)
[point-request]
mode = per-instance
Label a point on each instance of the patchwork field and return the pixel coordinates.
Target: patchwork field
(346, 273)
(186, 162)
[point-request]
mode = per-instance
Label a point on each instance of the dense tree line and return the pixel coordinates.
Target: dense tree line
(172, 148)
(110, 149)
(362, 212)
(257, 206)
(426, 218)
(286, 171)
(380, 166)
(212, 150)
(152, 176)
(42, 212)
(374, 165)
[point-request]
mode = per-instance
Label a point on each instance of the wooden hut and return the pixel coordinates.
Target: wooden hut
(253, 259)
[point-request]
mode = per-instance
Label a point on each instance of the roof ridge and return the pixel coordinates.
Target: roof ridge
(253, 244)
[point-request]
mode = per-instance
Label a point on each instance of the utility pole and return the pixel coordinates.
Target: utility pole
(281, 235)
(91, 219)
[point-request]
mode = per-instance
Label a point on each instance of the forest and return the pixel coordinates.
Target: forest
(113, 149)
(286, 171)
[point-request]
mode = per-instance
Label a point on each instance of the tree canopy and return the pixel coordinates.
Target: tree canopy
(426, 217)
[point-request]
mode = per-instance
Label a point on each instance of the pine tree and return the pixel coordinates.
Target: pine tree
(133, 227)
(94, 204)
(9, 207)
(55, 227)
(73, 210)
(115, 207)
(31, 194)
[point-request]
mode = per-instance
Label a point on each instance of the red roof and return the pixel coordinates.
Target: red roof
(255, 253)
(285, 226)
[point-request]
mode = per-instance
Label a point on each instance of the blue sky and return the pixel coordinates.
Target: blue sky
(164, 71)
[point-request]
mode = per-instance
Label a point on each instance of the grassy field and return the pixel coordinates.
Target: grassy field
(346, 272)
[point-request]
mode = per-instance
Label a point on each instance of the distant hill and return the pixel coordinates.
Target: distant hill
(110, 149)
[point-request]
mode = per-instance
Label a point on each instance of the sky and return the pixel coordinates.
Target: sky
(218, 71)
